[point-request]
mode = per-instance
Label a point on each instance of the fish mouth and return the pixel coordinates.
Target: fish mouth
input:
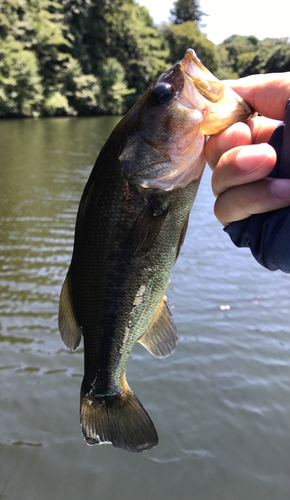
(218, 103)
(201, 105)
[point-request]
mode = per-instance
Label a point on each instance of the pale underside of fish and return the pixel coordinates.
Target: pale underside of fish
(131, 224)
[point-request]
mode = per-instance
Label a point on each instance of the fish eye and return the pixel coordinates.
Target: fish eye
(161, 93)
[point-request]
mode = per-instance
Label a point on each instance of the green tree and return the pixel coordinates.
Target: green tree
(186, 10)
(21, 92)
(180, 37)
(89, 26)
(224, 70)
(236, 47)
(38, 25)
(114, 88)
(82, 91)
(32, 36)
(246, 55)
(279, 59)
(119, 29)
(125, 31)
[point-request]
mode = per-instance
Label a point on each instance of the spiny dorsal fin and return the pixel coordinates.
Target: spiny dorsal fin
(160, 337)
(67, 323)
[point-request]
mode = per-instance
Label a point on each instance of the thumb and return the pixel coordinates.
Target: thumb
(268, 94)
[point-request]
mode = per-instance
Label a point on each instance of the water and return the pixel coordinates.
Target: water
(220, 403)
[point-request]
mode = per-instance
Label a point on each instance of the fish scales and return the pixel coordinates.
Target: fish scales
(107, 277)
(131, 224)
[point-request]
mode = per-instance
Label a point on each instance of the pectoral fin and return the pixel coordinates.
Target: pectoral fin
(68, 326)
(146, 227)
(161, 337)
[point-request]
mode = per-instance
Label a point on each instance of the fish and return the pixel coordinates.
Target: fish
(130, 227)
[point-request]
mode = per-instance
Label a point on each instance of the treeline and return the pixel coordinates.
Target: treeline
(87, 57)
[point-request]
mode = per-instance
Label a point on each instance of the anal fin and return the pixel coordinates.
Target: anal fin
(160, 337)
(67, 323)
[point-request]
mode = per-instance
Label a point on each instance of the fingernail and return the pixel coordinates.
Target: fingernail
(249, 159)
(280, 188)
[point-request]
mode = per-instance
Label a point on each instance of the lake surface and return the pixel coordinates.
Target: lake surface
(220, 402)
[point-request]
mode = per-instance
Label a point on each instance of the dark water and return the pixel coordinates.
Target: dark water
(221, 402)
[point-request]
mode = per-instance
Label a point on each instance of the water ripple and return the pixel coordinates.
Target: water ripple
(221, 402)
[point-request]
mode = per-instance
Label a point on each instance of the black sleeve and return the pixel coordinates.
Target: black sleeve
(268, 235)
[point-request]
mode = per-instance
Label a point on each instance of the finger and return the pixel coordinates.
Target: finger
(262, 128)
(238, 134)
(268, 94)
(262, 196)
(243, 165)
(255, 131)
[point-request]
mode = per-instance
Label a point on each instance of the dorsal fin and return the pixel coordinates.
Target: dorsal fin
(67, 323)
(160, 337)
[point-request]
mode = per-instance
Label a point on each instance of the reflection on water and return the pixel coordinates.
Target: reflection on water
(221, 402)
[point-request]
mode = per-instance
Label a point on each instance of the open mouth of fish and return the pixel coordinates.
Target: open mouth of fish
(195, 104)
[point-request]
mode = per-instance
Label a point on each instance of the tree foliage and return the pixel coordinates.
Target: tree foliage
(246, 55)
(186, 35)
(186, 10)
(60, 57)
(21, 92)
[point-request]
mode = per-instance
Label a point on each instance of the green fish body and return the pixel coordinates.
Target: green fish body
(130, 227)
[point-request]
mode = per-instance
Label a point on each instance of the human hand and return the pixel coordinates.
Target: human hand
(241, 158)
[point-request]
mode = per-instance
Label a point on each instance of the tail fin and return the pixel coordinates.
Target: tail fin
(119, 420)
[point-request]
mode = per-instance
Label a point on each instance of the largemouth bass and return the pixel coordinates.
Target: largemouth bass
(130, 227)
